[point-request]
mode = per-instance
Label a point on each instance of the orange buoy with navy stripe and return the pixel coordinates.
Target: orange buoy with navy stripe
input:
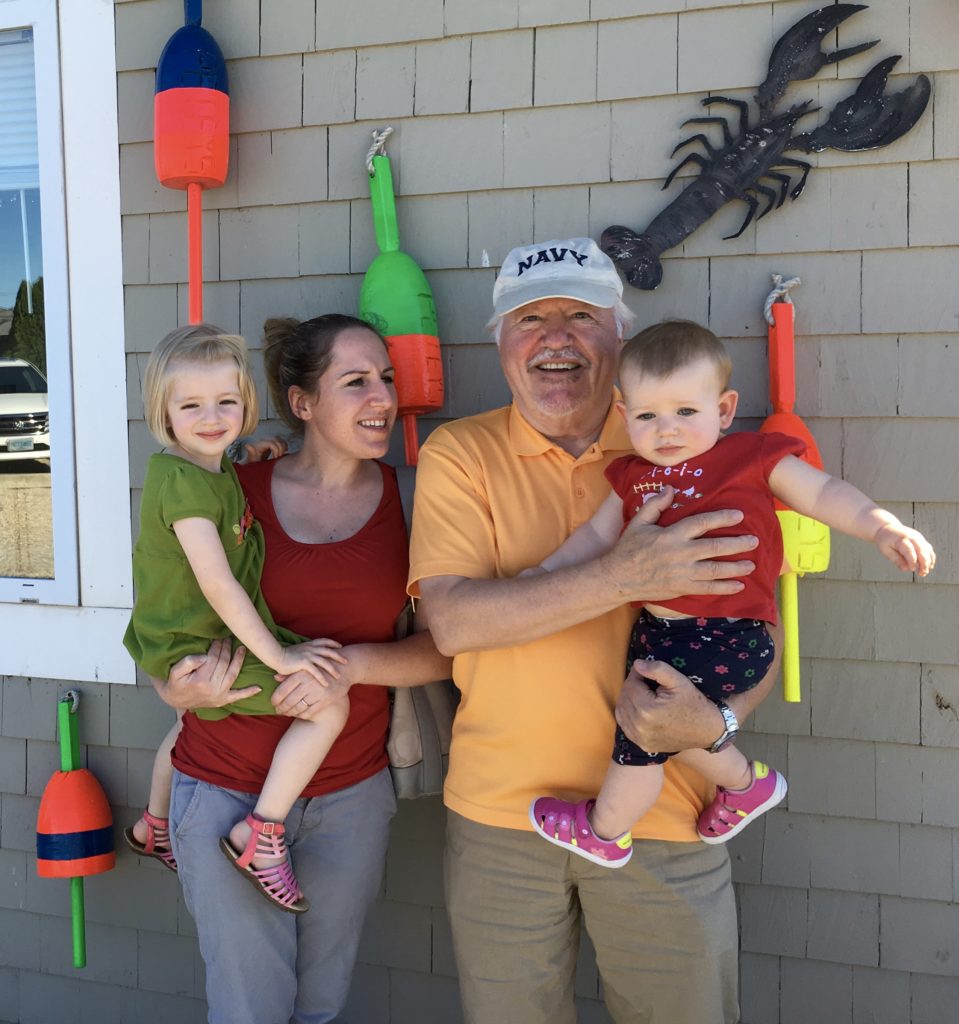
(74, 827)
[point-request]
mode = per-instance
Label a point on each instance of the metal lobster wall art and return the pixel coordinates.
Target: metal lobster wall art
(754, 163)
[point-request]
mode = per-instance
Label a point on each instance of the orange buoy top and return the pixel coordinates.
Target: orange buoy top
(74, 827)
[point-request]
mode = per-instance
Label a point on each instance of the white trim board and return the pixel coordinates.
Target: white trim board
(83, 644)
(63, 641)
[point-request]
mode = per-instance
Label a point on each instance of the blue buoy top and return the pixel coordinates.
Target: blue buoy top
(191, 59)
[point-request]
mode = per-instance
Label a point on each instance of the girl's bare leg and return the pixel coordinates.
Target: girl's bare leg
(628, 793)
(729, 768)
(297, 757)
(160, 783)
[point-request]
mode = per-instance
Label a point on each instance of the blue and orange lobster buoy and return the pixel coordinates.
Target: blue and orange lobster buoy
(191, 129)
(74, 824)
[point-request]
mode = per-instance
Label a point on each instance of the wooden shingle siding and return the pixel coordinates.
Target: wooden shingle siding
(524, 119)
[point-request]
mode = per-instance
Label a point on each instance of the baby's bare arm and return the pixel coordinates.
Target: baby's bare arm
(843, 507)
(592, 539)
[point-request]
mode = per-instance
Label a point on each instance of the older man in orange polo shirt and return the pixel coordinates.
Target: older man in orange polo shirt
(540, 663)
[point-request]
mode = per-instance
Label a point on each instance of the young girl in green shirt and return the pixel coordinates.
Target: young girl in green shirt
(197, 566)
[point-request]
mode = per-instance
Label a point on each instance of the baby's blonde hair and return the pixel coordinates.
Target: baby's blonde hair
(198, 344)
(671, 345)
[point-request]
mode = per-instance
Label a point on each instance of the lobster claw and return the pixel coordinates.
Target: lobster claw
(868, 119)
(798, 53)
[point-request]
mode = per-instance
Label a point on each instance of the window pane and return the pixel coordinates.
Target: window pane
(26, 537)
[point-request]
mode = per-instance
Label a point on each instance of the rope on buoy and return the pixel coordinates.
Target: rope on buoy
(378, 148)
(780, 293)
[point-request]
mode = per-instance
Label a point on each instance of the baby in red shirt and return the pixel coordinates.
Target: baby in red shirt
(677, 403)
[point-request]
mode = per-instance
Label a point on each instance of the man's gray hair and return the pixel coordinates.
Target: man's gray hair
(622, 314)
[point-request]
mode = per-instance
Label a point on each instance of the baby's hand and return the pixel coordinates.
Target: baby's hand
(906, 548)
(318, 657)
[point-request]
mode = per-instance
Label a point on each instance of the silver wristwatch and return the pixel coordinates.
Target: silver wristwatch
(731, 728)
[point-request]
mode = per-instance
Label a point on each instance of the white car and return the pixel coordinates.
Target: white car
(24, 416)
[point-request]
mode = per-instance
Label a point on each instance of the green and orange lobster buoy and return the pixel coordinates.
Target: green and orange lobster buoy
(396, 299)
(805, 540)
(74, 824)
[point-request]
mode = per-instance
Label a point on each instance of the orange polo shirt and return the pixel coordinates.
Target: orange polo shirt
(493, 496)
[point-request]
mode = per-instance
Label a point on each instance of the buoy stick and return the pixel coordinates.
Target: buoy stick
(69, 733)
(194, 215)
(789, 607)
(411, 441)
(70, 761)
(78, 924)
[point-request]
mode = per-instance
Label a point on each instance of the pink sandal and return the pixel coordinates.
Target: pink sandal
(277, 883)
(158, 840)
(566, 824)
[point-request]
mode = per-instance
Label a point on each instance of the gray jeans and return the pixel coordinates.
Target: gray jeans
(265, 966)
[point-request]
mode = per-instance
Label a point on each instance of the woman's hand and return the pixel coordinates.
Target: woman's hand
(301, 696)
(205, 680)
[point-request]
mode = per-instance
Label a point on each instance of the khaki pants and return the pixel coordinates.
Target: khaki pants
(664, 928)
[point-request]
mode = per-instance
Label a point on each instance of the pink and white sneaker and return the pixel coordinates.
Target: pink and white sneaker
(732, 810)
(566, 824)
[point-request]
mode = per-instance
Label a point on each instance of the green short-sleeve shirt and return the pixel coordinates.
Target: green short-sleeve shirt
(171, 617)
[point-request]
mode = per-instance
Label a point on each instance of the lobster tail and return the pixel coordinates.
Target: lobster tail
(635, 256)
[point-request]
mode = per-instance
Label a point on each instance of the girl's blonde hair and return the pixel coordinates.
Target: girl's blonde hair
(672, 345)
(197, 344)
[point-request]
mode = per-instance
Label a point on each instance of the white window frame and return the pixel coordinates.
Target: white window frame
(72, 627)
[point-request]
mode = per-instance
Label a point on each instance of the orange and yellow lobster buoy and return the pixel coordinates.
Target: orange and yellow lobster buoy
(805, 540)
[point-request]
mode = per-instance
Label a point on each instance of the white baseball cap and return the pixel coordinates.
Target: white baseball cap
(564, 268)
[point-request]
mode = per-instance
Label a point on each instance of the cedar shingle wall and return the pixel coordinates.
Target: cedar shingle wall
(523, 119)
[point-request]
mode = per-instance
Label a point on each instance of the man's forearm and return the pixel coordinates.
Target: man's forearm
(480, 615)
(648, 563)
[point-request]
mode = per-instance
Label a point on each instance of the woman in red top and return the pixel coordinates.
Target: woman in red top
(336, 565)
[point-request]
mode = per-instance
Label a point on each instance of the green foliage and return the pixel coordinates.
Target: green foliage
(27, 333)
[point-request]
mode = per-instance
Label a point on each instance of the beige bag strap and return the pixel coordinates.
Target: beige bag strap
(422, 716)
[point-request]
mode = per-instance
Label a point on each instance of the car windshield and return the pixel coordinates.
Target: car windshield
(21, 380)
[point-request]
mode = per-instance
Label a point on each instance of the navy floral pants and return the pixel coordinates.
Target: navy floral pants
(720, 656)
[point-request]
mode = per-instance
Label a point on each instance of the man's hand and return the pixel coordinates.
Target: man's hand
(205, 680)
(652, 563)
(676, 716)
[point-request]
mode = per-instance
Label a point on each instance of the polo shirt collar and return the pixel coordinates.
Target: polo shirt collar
(527, 440)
